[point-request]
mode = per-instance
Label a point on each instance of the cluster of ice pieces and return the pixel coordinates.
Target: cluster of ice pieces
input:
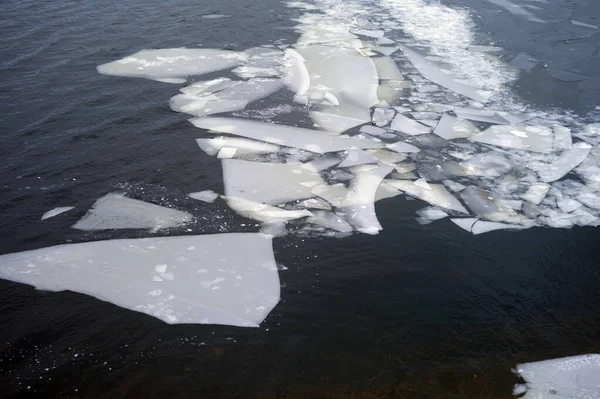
(575, 377)
(391, 117)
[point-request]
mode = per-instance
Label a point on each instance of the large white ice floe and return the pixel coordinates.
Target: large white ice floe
(116, 211)
(576, 377)
(209, 279)
(172, 63)
(290, 136)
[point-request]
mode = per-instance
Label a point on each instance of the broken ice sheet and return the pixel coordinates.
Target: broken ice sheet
(356, 156)
(172, 63)
(382, 116)
(567, 377)
(290, 136)
(358, 207)
(205, 196)
(56, 211)
(262, 212)
(531, 138)
(409, 126)
(525, 62)
(269, 183)
(329, 220)
(227, 279)
(242, 146)
(567, 161)
(387, 69)
(477, 226)
(116, 211)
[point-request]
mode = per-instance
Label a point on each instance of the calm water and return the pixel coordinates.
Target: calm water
(417, 311)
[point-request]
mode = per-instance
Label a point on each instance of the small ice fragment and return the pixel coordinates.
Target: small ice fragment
(295, 73)
(115, 211)
(532, 138)
(160, 268)
(536, 193)
(386, 190)
(56, 211)
(450, 128)
(263, 212)
(315, 203)
(568, 160)
(585, 25)
(432, 213)
(409, 126)
(206, 196)
(481, 227)
(323, 162)
(454, 186)
(356, 156)
(568, 205)
(422, 184)
(382, 116)
(436, 194)
(464, 223)
(372, 130)
(334, 194)
(402, 147)
(242, 146)
(329, 220)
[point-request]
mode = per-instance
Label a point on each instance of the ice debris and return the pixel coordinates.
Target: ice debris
(56, 211)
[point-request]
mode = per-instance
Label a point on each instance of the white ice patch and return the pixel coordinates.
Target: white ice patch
(409, 126)
(205, 196)
(435, 194)
(262, 212)
(172, 63)
(56, 211)
(531, 138)
(450, 128)
(567, 377)
(242, 146)
(255, 181)
(123, 272)
(290, 136)
(568, 161)
(115, 211)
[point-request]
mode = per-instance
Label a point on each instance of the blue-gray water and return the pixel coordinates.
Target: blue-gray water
(417, 311)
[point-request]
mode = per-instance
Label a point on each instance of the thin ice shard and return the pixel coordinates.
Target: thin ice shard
(227, 279)
(56, 211)
(172, 63)
(436, 194)
(115, 211)
(290, 136)
(243, 146)
(204, 196)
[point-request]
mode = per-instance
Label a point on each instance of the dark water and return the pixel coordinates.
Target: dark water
(415, 312)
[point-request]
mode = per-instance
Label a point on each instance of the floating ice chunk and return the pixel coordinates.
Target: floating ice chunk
(585, 25)
(372, 130)
(386, 190)
(409, 126)
(481, 227)
(344, 72)
(232, 98)
(568, 205)
(273, 229)
(454, 186)
(434, 73)
(323, 162)
(562, 137)
(402, 147)
(464, 223)
(567, 377)
(422, 184)
(330, 220)
(387, 157)
(315, 203)
(172, 63)
(436, 194)
(295, 76)
(531, 138)
(215, 16)
(243, 146)
(208, 87)
(536, 193)
(479, 201)
(525, 62)
(387, 69)
(565, 76)
(432, 213)
(334, 194)
(269, 183)
(480, 115)
(487, 164)
(115, 211)
(591, 133)
(56, 211)
(450, 127)
(383, 116)
(226, 152)
(356, 156)
(174, 81)
(358, 207)
(205, 196)
(336, 122)
(589, 199)
(291, 136)
(263, 212)
(121, 272)
(568, 160)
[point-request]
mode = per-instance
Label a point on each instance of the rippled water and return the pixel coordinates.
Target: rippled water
(417, 311)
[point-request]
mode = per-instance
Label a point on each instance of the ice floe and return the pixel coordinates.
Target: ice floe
(210, 279)
(204, 196)
(567, 377)
(116, 211)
